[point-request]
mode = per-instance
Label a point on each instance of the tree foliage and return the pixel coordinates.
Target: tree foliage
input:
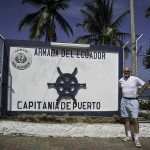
(43, 22)
(147, 14)
(100, 26)
(146, 59)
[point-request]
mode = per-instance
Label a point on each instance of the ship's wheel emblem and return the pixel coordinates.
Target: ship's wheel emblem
(66, 85)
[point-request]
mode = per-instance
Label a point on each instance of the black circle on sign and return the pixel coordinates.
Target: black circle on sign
(67, 85)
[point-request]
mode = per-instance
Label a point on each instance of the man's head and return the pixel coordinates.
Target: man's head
(126, 72)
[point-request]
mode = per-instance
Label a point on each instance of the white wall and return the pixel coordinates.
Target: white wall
(30, 77)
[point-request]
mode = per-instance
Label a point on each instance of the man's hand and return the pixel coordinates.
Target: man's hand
(138, 94)
(144, 87)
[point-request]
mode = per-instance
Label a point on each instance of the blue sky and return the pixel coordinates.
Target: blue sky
(12, 11)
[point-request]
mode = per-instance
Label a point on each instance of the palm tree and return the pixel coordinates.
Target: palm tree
(133, 40)
(43, 22)
(99, 23)
(146, 59)
(147, 12)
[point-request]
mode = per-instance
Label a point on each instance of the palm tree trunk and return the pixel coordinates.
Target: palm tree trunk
(133, 41)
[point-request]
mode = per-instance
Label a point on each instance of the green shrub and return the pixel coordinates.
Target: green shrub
(146, 116)
(87, 119)
(144, 105)
(116, 117)
(66, 119)
(25, 117)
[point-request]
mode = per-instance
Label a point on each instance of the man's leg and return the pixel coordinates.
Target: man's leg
(125, 114)
(136, 125)
(127, 129)
(136, 132)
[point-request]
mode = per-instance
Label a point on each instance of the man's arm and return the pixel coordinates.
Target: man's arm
(144, 87)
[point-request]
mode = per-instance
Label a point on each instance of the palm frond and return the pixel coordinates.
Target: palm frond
(63, 23)
(119, 20)
(61, 4)
(27, 20)
(42, 23)
(147, 12)
(98, 22)
(86, 39)
(36, 3)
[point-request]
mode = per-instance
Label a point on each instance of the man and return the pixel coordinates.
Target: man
(130, 104)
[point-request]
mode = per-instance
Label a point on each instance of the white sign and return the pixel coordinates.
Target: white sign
(39, 79)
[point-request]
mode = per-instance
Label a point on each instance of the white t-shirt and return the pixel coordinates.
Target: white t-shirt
(130, 86)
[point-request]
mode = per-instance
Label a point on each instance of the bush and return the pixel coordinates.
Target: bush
(145, 116)
(144, 105)
(65, 119)
(61, 119)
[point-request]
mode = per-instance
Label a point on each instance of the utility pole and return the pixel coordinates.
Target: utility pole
(1, 40)
(125, 45)
(133, 41)
(136, 73)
